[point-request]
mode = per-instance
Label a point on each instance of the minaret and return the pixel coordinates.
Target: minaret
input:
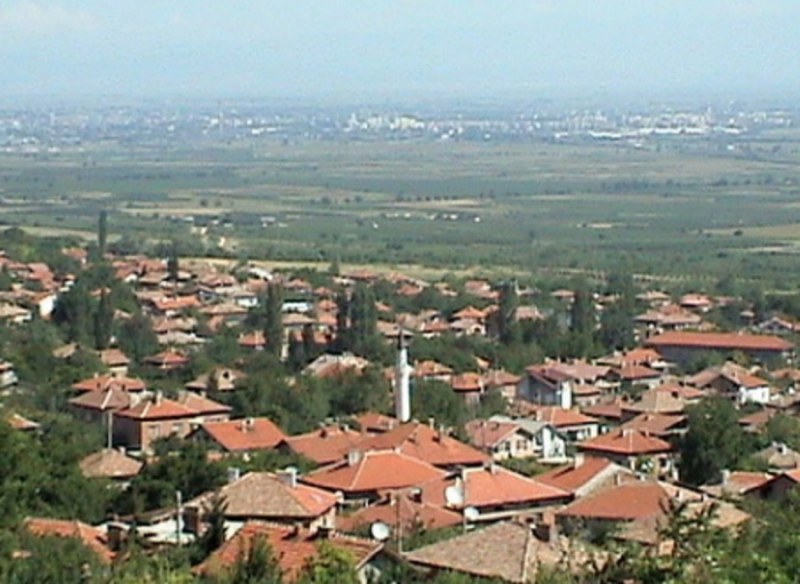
(402, 381)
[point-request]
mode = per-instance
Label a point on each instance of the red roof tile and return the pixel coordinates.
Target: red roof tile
(374, 471)
(292, 547)
(723, 341)
(91, 537)
(411, 514)
(326, 445)
(425, 443)
(561, 417)
(572, 477)
(110, 463)
(626, 502)
(104, 382)
(157, 408)
(244, 435)
(627, 442)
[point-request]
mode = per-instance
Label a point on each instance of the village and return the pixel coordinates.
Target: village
(392, 419)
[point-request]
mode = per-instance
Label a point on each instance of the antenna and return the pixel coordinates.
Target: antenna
(454, 495)
(380, 531)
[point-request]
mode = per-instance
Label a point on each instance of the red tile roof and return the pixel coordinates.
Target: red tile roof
(104, 382)
(263, 495)
(424, 443)
(467, 382)
(18, 422)
(91, 537)
(561, 417)
(326, 445)
(111, 464)
(724, 341)
(244, 435)
(374, 471)
(655, 424)
(167, 359)
(486, 434)
(101, 401)
(200, 404)
(629, 501)
(158, 408)
(573, 477)
(411, 514)
(494, 487)
(627, 442)
(292, 547)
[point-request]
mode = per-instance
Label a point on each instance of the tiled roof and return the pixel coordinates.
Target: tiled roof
(738, 483)
(573, 477)
(375, 422)
(485, 434)
(200, 404)
(18, 422)
(263, 495)
(634, 372)
(167, 359)
(612, 411)
(292, 547)
(655, 424)
(91, 537)
(113, 357)
(103, 382)
(494, 486)
(635, 500)
(244, 435)
(326, 445)
(779, 456)
(627, 442)
(508, 551)
(431, 368)
(561, 417)
(657, 402)
(467, 382)
(101, 401)
(157, 408)
(111, 464)
(724, 341)
(374, 471)
(424, 443)
(401, 508)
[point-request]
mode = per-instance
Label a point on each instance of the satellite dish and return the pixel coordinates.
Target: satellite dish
(471, 514)
(454, 495)
(380, 531)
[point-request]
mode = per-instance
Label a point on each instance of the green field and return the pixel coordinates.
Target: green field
(700, 214)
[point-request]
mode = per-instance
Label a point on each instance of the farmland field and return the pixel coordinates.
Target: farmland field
(446, 205)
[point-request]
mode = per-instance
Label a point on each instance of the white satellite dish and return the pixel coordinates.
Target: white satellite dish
(454, 495)
(380, 531)
(471, 514)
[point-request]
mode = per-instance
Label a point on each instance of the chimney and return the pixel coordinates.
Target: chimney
(353, 457)
(402, 381)
(432, 423)
(578, 460)
(191, 519)
(726, 476)
(234, 474)
(288, 477)
(159, 398)
(116, 533)
(440, 433)
(546, 531)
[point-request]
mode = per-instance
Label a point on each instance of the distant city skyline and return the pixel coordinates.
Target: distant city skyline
(365, 50)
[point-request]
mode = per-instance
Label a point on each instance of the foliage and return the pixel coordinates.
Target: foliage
(256, 565)
(273, 319)
(434, 399)
(715, 441)
(330, 566)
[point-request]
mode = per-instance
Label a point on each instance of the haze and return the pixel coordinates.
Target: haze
(416, 48)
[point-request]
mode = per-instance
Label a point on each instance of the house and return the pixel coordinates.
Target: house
(733, 381)
(110, 463)
(493, 493)
(639, 509)
(529, 438)
(326, 445)
(508, 551)
(157, 417)
(424, 442)
(292, 546)
(584, 475)
(571, 423)
(110, 381)
(363, 476)
(503, 382)
(682, 347)
(404, 512)
(236, 436)
(663, 426)
(779, 457)
(469, 386)
(552, 384)
(278, 498)
(329, 365)
(633, 375)
(633, 449)
(8, 376)
(375, 423)
(115, 361)
(167, 361)
(222, 379)
(738, 484)
(93, 538)
(97, 406)
(655, 401)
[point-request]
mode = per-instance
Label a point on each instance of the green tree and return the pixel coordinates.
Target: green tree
(173, 264)
(273, 319)
(329, 566)
(256, 564)
(136, 337)
(73, 313)
(508, 328)
(715, 441)
(102, 233)
(103, 321)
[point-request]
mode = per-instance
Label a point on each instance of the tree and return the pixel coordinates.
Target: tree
(103, 321)
(273, 319)
(173, 264)
(256, 564)
(715, 441)
(136, 337)
(329, 566)
(507, 325)
(102, 233)
(214, 536)
(73, 312)
(363, 321)
(583, 322)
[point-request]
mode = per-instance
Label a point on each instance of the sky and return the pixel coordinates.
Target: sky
(360, 49)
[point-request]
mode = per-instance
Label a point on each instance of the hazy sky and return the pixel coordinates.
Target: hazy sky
(374, 48)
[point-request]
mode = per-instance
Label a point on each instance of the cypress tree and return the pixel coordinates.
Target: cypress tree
(273, 319)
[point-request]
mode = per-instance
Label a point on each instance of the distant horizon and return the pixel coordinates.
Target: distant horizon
(361, 50)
